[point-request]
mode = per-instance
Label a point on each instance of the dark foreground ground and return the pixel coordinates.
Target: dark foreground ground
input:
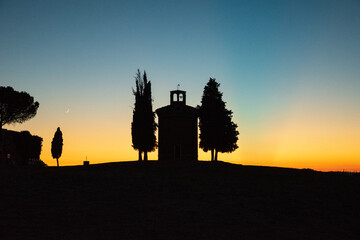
(198, 201)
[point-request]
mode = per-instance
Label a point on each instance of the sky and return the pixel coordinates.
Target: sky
(289, 70)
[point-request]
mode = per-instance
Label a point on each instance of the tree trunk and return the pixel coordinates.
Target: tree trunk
(145, 156)
(140, 158)
(57, 161)
(216, 155)
(212, 154)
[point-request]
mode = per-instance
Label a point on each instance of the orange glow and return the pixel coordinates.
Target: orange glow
(303, 138)
(308, 136)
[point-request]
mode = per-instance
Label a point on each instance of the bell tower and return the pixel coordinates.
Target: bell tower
(177, 97)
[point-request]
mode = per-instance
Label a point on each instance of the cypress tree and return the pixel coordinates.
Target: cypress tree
(217, 131)
(143, 127)
(56, 145)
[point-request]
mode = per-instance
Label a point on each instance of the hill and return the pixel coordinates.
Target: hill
(204, 200)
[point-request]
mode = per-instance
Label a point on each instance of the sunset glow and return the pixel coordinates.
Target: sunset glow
(289, 72)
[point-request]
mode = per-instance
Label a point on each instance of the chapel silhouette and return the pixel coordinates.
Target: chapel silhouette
(178, 130)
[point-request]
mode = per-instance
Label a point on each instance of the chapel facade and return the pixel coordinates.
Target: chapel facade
(178, 130)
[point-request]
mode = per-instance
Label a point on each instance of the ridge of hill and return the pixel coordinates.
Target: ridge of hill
(202, 200)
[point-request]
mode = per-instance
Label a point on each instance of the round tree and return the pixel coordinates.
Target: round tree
(15, 107)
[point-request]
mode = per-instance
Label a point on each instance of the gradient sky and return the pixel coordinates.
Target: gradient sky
(289, 70)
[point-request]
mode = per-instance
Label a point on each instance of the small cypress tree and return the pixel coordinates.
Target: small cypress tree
(56, 145)
(143, 126)
(217, 131)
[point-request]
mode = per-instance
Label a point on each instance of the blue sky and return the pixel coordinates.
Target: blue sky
(272, 58)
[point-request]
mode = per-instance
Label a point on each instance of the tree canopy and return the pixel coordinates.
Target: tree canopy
(217, 131)
(16, 107)
(57, 145)
(143, 126)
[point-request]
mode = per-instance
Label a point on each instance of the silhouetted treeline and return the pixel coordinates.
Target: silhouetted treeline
(21, 148)
(15, 107)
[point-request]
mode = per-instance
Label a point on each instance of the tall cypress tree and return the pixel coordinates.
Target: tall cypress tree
(56, 145)
(217, 131)
(143, 127)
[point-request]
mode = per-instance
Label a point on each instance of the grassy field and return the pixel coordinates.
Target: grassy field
(205, 200)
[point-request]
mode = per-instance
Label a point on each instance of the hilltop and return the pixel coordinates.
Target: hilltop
(204, 200)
